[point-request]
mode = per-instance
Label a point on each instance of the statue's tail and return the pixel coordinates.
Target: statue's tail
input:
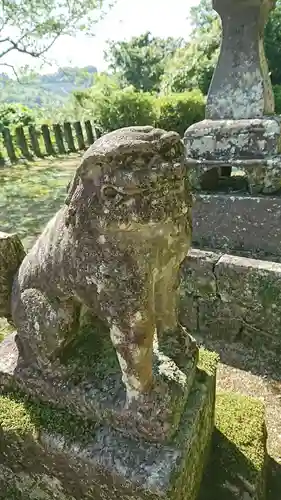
(11, 256)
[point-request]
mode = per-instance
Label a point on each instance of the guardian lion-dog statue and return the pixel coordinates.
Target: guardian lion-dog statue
(115, 247)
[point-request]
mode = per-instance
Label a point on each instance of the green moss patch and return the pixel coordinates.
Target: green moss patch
(22, 417)
(238, 458)
(91, 354)
(208, 361)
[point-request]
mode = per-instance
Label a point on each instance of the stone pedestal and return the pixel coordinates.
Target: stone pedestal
(51, 453)
(240, 129)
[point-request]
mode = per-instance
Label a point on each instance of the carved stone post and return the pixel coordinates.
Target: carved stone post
(241, 86)
(240, 129)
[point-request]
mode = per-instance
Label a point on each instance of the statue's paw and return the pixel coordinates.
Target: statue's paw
(153, 411)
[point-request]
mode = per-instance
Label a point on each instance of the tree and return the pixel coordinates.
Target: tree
(202, 16)
(193, 65)
(273, 44)
(141, 61)
(32, 26)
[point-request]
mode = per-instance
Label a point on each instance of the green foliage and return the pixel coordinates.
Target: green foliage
(47, 90)
(33, 26)
(141, 61)
(179, 111)
(114, 108)
(273, 44)
(277, 95)
(193, 65)
(14, 115)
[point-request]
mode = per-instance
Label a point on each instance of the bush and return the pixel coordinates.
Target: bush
(111, 107)
(179, 111)
(277, 95)
(15, 115)
(122, 109)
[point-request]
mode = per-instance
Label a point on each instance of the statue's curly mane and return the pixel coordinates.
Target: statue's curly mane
(108, 152)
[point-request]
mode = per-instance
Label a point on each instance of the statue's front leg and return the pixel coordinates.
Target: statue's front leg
(174, 339)
(132, 336)
(43, 326)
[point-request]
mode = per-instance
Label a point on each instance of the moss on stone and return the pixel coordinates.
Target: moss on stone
(15, 418)
(238, 459)
(208, 361)
(242, 421)
(21, 416)
(92, 352)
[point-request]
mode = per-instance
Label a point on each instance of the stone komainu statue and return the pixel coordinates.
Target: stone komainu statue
(115, 247)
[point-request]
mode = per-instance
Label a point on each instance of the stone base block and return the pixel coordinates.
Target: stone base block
(92, 387)
(214, 147)
(48, 453)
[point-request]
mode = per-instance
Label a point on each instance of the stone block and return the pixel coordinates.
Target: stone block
(233, 223)
(197, 273)
(49, 453)
(253, 146)
(235, 139)
(220, 320)
(254, 285)
(246, 306)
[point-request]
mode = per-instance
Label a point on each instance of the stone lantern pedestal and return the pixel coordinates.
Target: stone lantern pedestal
(240, 129)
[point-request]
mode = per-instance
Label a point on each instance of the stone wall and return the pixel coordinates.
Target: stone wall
(247, 225)
(233, 298)
(238, 224)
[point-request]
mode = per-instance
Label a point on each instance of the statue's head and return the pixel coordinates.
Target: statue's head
(134, 174)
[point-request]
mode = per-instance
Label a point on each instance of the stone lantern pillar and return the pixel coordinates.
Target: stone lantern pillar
(240, 128)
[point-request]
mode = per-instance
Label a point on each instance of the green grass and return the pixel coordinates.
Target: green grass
(31, 193)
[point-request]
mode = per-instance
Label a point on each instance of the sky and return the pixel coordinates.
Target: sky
(127, 18)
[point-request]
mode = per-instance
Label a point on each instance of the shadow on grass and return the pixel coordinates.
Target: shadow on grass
(229, 475)
(31, 195)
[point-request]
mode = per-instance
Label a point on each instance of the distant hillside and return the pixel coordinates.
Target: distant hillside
(43, 90)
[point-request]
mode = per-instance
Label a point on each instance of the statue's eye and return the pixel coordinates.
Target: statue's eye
(109, 192)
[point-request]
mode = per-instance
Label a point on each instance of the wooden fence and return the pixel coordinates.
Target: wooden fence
(38, 142)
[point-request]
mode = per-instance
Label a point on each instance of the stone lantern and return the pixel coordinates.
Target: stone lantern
(240, 129)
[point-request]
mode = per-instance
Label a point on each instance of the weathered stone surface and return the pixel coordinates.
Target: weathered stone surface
(113, 249)
(241, 86)
(242, 224)
(239, 129)
(198, 273)
(234, 139)
(254, 285)
(220, 320)
(11, 256)
(252, 146)
(92, 385)
(246, 306)
(100, 463)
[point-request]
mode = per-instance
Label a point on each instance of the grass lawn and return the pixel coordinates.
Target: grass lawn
(31, 193)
